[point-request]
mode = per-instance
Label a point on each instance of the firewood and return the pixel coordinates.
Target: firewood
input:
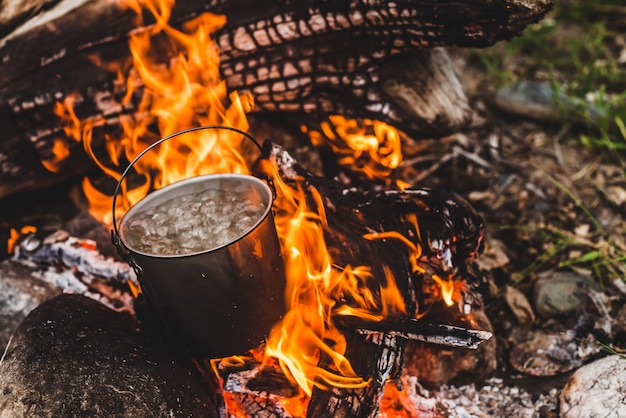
(414, 329)
(74, 265)
(448, 232)
(309, 55)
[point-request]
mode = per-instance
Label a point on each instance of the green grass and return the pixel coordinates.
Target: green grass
(574, 50)
(602, 255)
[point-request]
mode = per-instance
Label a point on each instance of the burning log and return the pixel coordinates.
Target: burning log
(313, 56)
(422, 243)
(378, 228)
(75, 266)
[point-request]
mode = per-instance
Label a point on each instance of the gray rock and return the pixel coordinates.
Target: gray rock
(436, 365)
(560, 293)
(73, 356)
(519, 305)
(545, 354)
(20, 293)
(539, 101)
(596, 390)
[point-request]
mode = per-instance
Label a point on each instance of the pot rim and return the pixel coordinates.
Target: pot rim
(158, 193)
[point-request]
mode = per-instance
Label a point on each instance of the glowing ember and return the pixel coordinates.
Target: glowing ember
(449, 290)
(14, 235)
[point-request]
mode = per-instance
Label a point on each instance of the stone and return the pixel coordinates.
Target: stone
(435, 365)
(545, 354)
(519, 305)
(560, 293)
(73, 356)
(539, 101)
(596, 390)
(20, 293)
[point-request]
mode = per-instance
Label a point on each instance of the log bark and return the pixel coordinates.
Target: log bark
(314, 56)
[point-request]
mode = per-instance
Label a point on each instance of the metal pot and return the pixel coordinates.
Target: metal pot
(220, 301)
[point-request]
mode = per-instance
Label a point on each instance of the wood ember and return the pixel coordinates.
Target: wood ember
(256, 390)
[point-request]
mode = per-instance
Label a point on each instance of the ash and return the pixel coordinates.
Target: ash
(495, 399)
(193, 223)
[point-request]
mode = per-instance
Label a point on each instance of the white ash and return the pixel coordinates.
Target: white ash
(74, 265)
(76, 253)
(192, 223)
(493, 399)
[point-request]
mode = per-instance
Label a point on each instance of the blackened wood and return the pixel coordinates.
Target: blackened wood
(81, 255)
(74, 265)
(308, 55)
(414, 329)
(376, 27)
(376, 358)
(449, 233)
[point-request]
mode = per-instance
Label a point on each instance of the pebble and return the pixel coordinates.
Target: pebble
(537, 100)
(545, 355)
(559, 293)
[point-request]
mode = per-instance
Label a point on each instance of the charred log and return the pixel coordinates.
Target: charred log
(377, 359)
(445, 234)
(416, 330)
(314, 56)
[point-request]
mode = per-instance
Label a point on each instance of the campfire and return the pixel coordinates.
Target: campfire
(370, 262)
(329, 290)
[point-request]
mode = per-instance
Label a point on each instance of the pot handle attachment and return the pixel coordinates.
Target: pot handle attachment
(115, 232)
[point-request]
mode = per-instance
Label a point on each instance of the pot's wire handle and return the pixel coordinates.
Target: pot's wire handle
(115, 231)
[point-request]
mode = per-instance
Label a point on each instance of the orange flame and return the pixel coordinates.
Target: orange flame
(60, 152)
(314, 286)
(447, 289)
(368, 146)
(187, 91)
(60, 149)
(450, 291)
(14, 235)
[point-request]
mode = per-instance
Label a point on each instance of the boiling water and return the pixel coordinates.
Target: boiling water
(191, 223)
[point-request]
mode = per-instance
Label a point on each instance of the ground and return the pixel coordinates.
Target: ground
(552, 192)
